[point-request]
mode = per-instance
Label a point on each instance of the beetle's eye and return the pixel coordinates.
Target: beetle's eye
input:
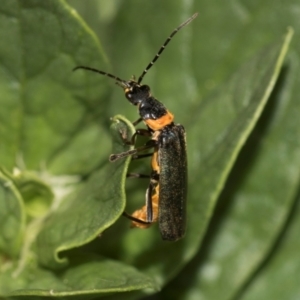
(145, 88)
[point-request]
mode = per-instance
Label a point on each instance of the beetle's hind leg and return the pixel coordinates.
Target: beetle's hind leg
(148, 214)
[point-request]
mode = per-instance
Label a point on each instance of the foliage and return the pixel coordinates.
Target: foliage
(225, 77)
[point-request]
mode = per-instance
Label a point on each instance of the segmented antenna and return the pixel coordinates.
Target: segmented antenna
(162, 48)
(121, 81)
(124, 83)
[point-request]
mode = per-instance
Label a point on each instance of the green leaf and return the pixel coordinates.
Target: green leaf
(87, 277)
(37, 195)
(42, 106)
(12, 217)
(89, 210)
(55, 123)
(278, 279)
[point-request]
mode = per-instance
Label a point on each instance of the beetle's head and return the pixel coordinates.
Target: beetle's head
(135, 92)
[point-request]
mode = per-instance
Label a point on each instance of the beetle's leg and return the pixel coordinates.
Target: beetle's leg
(141, 132)
(137, 175)
(144, 217)
(130, 217)
(142, 156)
(149, 203)
(148, 214)
(148, 145)
(137, 121)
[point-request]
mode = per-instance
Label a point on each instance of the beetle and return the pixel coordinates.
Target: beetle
(167, 191)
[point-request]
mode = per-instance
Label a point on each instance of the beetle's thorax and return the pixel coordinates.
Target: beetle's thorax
(153, 112)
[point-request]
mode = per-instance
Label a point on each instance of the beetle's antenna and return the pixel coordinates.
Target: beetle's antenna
(122, 82)
(162, 48)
